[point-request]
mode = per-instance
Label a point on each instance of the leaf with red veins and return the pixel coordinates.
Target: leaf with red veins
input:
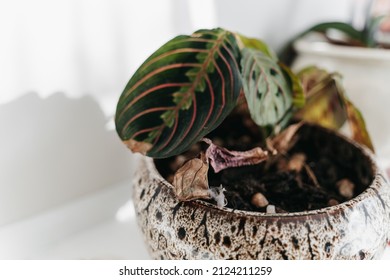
(190, 181)
(221, 158)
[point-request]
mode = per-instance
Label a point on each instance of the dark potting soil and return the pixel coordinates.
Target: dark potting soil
(302, 179)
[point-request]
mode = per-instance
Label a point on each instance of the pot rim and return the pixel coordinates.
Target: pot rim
(371, 190)
(314, 44)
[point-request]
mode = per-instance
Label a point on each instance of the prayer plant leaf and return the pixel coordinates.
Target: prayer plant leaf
(267, 91)
(257, 44)
(180, 93)
(324, 103)
(328, 105)
(296, 85)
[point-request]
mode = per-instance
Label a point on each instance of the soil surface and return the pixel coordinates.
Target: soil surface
(302, 179)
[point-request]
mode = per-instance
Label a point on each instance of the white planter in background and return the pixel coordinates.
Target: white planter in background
(366, 75)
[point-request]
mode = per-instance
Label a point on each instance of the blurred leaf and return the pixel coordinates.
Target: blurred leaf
(324, 104)
(311, 78)
(328, 105)
(288, 53)
(180, 93)
(355, 36)
(282, 142)
(296, 85)
(268, 93)
(358, 126)
(370, 30)
(257, 44)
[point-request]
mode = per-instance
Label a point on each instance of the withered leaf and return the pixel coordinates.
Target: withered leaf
(324, 98)
(138, 147)
(358, 126)
(283, 141)
(222, 158)
(190, 181)
(328, 105)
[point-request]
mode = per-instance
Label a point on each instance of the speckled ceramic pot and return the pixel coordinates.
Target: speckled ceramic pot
(356, 229)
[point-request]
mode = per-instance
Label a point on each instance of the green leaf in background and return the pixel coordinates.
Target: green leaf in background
(180, 93)
(370, 30)
(268, 93)
(355, 36)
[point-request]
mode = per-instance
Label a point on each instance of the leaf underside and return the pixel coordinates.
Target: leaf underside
(180, 93)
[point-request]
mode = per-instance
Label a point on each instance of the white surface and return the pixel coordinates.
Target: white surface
(386, 255)
(110, 239)
(316, 45)
(98, 226)
(53, 150)
(91, 47)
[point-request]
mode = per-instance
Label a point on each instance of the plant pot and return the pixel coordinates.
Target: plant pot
(366, 80)
(356, 229)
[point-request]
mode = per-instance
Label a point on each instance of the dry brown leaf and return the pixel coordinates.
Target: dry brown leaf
(222, 158)
(138, 147)
(282, 142)
(190, 181)
(358, 126)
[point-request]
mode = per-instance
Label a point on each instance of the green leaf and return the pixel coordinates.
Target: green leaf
(296, 85)
(324, 104)
(268, 93)
(257, 44)
(345, 28)
(288, 53)
(370, 30)
(180, 93)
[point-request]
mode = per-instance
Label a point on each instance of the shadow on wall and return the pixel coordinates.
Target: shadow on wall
(53, 150)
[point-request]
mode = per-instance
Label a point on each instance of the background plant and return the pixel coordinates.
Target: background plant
(340, 33)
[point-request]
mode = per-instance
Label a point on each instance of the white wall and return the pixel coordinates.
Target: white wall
(63, 65)
(92, 46)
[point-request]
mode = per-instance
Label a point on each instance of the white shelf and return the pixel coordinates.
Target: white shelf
(98, 226)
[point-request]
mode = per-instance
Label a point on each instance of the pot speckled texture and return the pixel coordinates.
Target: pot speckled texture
(357, 229)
